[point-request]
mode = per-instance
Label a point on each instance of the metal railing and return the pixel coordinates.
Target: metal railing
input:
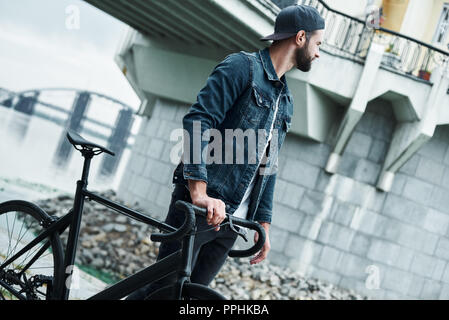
(344, 35)
(409, 56)
(352, 37)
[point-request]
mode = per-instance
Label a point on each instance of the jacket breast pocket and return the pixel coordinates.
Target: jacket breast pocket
(259, 104)
(260, 98)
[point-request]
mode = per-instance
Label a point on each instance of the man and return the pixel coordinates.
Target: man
(246, 91)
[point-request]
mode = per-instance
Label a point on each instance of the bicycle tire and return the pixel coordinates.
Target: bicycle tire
(28, 283)
(190, 291)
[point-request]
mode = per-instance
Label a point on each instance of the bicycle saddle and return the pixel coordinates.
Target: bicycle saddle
(76, 140)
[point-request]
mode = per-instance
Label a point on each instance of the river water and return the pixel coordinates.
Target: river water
(28, 154)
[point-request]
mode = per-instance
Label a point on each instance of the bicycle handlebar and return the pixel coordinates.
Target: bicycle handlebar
(257, 246)
(190, 211)
(188, 224)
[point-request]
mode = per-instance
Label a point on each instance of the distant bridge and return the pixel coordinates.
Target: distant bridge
(75, 118)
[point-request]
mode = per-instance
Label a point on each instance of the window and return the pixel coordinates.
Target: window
(443, 26)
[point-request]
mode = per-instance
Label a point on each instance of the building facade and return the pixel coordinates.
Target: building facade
(360, 198)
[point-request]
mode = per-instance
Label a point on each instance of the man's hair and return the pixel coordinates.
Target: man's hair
(309, 34)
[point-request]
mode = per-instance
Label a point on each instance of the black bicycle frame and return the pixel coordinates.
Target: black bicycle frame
(179, 261)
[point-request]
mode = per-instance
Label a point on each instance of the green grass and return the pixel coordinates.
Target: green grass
(30, 185)
(103, 276)
(5, 293)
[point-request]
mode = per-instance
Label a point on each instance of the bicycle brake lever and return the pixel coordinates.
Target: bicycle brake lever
(239, 233)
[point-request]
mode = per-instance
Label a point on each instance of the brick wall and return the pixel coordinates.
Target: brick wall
(148, 177)
(338, 228)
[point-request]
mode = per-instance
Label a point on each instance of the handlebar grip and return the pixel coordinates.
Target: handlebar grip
(188, 224)
(239, 222)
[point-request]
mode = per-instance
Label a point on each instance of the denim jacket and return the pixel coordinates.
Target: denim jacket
(241, 93)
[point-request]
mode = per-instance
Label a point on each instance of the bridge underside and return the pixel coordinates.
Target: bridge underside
(221, 24)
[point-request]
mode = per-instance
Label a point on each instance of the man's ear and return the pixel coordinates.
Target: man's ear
(300, 38)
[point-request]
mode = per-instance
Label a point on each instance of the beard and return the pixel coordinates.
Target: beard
(303, 60)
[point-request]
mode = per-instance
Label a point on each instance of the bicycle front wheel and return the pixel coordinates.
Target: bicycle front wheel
(190, 291)
(34, 274)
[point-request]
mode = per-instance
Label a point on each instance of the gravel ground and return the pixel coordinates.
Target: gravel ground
(118, 246)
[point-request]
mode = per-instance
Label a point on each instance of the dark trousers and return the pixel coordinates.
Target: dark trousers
(209, 251)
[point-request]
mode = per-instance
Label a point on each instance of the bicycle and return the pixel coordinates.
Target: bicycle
(43, 249)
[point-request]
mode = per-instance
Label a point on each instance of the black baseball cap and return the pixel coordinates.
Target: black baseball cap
(293, 19)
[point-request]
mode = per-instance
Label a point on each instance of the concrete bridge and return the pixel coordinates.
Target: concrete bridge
(30, 103)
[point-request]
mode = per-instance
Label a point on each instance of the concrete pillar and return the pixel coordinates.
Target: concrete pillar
(409, 137)
(7, 103)
(26, 104)
(357, 106)
(117, 141)
(79, 108)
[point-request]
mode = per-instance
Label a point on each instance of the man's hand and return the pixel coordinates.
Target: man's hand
(266, 247)
(216, 212)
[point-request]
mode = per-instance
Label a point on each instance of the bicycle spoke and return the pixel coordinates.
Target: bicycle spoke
(24, 277)
(42, 293)
(47, 254)
(38, 255)
(31, 253)
(27, 254)
(28, 228)
(22, 234)
(14, 224)
(9, 237)
(19, 238)
(10, 251)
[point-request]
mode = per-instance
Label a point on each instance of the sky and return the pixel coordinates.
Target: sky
(61, 43)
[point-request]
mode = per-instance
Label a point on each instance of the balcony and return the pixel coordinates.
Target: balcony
(350, 37)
